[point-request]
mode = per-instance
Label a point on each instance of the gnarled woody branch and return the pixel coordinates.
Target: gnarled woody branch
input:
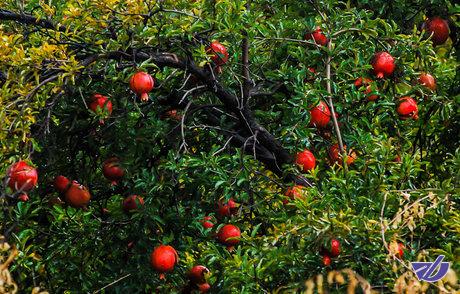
(29, 19)
(268, 150)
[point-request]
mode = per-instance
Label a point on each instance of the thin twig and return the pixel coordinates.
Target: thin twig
(112, 283)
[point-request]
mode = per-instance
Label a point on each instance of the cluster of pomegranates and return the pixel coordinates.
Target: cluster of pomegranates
(164, 258)
(333, 250)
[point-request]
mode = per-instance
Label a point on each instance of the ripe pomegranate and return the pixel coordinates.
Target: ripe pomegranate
(23, 197)
(438, 28)
(172, 114)
(401, 248)
(227, 209)
(428, 81)
(142, 83)
(310, 75)
(100, 103)
(132, 203)
(197, 274)
(335, 248)
(77, 195)
(229, 235)
(112, 170)
(383, 64)
(292, 193)
(336, 157)
(320, 115)
(219, 53)
(163, 259)
(407, 108)
(327, 260)
(61, 183)
(206, 222)
(368, 84)
(21, 177)
(306, 160)
(317, 36)
(204, 288)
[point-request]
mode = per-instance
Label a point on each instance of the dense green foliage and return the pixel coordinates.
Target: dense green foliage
(183, 168)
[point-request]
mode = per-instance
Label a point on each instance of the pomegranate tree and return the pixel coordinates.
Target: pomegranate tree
(112, 170)
(320, 115)
(142, 83)
(383, 64)
(21, 177)
(163, 259)
(229, 235)
(407, 108)
(306, 160)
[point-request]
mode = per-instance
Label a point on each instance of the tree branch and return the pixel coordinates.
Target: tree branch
(247, 123)
(29, 19)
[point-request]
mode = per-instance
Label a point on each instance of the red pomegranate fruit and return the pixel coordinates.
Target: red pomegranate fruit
(132, 203)
(219, 54)
(383, 64)
(335, 248)
(407, 108)
(326, 260)
(206, 222)
(100, 103)
(438, 28)
(112, 170)
(61, 183)
(317, 36)
(320, 115)
(365, 82)
(293, 193)
(336, 157)
(197, 274)
(401, 248)
(172, 114)
(21, 177)
(227, 209)
(229, 235)
(427, 80)
(204, 288)
(306, 160)
(142, 83)
(77, 195)
(163, 259)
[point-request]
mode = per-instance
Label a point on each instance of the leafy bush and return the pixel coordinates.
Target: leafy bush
(230, 135)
